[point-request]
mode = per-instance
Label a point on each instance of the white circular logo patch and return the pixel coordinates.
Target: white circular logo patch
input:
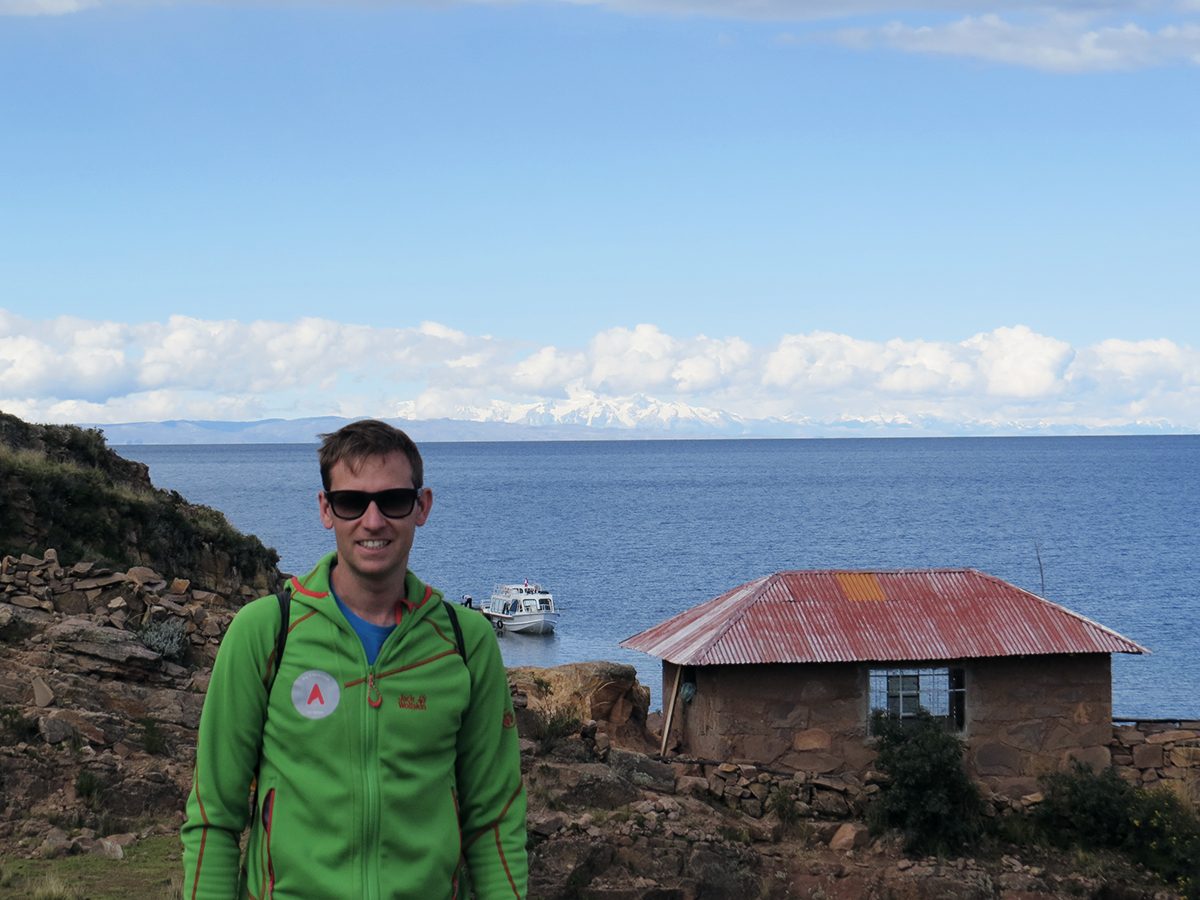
(315, 694)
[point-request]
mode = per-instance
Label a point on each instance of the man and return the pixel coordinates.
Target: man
(384, 751)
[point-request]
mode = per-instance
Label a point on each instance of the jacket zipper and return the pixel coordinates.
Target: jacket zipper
(371, 777)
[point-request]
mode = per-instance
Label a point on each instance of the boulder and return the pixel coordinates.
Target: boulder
(607, 692)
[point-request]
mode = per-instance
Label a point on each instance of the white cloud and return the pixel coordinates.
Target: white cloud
(143, 406)
(63, 355)
(1056, 43)
(1017, 362)
(923, 367)
(68, 369)
(44, 7)
(822, 360)
(1067, 36)
(709, 363)
(625, 359)
(442, 332)
(1136, 377)
(548, 370)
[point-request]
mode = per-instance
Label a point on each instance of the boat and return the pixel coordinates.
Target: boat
(521, 608)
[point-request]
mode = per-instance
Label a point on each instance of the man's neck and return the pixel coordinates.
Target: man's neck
(373, 601)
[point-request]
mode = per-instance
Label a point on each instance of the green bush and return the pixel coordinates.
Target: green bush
(1165, 838)
(928, 796)
(153, 737)
(89, 788)
(1083, 808)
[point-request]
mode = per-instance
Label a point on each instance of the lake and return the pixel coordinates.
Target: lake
(629, 533)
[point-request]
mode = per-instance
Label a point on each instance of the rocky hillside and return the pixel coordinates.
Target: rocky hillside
(63, 487)
(102, 678)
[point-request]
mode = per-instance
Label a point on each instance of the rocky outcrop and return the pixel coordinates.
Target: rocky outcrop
(101, 684)
(62, 486)
(605, 692)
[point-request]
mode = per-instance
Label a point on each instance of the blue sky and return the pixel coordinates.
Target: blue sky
(962, 211)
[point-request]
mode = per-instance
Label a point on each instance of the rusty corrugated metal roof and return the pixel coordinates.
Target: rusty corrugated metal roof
(850, 616)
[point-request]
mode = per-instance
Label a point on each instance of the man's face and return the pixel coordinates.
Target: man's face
(373, 548)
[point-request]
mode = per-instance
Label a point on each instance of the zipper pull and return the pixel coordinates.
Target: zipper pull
(374, 695)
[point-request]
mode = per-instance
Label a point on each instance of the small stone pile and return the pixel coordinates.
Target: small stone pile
(752, 790)
(93, 599)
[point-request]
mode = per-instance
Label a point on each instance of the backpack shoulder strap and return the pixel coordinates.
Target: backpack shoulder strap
(285, 609)
(458, 635)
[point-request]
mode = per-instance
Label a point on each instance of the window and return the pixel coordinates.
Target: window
(903, 692)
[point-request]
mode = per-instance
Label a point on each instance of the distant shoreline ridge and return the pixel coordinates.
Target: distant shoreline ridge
(307, 430)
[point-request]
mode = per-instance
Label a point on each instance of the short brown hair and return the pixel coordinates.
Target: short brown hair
(359, 440)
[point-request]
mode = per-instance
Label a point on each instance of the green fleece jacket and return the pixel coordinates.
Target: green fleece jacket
(376, 782)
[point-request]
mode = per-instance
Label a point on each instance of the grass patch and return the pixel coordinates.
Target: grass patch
(550, 725)
(783, 804)
(151, 868)
(53, 887)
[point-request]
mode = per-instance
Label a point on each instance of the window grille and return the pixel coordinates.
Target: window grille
(904, 692)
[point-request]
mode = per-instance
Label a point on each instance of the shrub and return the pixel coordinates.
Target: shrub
(1082, 808)
(783, 804)
(15, 726)
(1166, 838)
(928, 797)
(1096, 811)
(167, 637)
(89, 789)
(153, 737)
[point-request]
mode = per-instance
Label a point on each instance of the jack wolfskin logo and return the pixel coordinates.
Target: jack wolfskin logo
(315, 694)
(408, 701)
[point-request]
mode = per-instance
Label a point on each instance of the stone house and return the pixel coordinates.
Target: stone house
(786, 671)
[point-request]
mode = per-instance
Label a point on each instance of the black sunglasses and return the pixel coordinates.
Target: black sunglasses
(394, 503)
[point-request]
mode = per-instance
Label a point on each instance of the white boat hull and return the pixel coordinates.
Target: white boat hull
(523, 623)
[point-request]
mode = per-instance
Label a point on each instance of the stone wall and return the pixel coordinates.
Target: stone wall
(1160, 754)
(804, 718)
(114, 608)
(1025, 716)
(1030, 715)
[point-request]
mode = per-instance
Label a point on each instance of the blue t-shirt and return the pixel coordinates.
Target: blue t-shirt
(371, 635)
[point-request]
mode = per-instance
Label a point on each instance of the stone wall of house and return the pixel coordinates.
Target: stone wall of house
(1030, 715)
(1160, 754)
(1025, 716)
(801, 718)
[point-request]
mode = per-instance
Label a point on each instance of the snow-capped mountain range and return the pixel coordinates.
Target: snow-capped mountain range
(583, 417)
(632, 413)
